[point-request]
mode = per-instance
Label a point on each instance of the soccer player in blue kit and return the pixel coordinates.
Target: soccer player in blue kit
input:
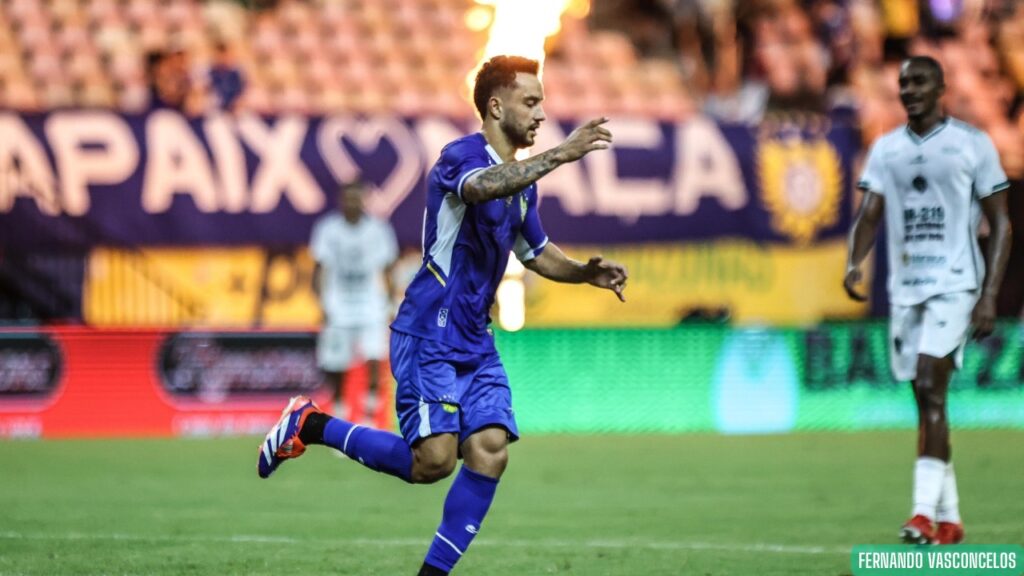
(453, 396)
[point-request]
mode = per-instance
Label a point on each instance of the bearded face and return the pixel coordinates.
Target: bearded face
(521, 110)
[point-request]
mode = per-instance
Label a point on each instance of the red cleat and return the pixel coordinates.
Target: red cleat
(949, 533)
(918, 530)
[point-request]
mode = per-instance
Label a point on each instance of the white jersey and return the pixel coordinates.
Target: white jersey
(353, 258)
(932, 187)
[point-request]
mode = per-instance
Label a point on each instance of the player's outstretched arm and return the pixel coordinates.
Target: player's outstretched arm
(507, 179)
(997, 254)
(553, 264)
(862, 237)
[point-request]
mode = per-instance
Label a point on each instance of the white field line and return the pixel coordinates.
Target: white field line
(424, 542)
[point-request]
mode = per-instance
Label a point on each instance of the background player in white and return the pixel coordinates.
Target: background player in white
(354, 254)
(933, 178)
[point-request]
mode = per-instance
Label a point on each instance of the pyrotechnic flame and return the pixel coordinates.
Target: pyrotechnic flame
(519, 27)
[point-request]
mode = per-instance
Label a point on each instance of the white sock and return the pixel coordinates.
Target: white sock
(370, 404)
(369, 409)
(948, 509)
(929, 474)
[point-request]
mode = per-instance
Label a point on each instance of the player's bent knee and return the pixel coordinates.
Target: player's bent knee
(491, 464)
(430, 472)
(935, 404)
(487, 452)
(431, 467)
(926, 385)
(434, 459)
(928, 391)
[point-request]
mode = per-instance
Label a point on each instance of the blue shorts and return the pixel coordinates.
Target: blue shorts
(443, 390)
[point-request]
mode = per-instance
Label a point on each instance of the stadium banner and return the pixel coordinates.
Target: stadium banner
(84, 178)
(241, 287)
(80, 382)
(746, 283)
(250, 287)
(696, 378)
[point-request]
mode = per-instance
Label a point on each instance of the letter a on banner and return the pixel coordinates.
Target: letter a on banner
(24, 169)
(706, 166)
(110, 157)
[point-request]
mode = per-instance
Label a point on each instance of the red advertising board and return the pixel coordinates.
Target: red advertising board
(81, 382)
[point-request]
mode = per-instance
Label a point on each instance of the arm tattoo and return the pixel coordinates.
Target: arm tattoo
(507, 179)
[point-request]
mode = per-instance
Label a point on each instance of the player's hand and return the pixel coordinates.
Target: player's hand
(853, 277)
(607, 274)
(983, 318)
(584, 139)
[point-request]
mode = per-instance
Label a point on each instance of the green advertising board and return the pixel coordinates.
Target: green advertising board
(715, 378)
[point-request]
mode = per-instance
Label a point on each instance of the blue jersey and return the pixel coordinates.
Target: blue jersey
(465, 250)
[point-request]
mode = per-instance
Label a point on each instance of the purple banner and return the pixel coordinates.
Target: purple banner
(75, 179)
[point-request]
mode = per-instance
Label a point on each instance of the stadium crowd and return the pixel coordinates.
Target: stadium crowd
(665, 58)
(735, 60)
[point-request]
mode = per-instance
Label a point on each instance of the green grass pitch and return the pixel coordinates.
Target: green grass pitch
(587, 505)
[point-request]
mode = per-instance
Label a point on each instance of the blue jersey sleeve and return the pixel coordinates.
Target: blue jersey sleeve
(532, 239)
(459, 161)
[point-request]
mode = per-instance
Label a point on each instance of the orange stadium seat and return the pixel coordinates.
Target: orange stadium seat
(331, 49)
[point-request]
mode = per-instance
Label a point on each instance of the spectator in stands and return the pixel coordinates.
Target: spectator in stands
(165, 90)
(647, 23)
(733, 95)
(170, 83)
(902, 21)
(225, 77)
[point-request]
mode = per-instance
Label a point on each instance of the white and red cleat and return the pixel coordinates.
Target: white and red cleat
(949, 533)
(918, 530)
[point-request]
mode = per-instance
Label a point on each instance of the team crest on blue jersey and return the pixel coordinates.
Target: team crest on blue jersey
(801, 185)
(522, 206)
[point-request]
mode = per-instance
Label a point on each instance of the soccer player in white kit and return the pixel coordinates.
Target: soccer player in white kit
(354, 254)
(933, 178)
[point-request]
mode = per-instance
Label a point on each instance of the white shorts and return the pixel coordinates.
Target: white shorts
(337, 347)
(937, 327)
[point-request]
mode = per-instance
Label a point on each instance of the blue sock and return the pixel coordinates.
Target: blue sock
(464, 509)
(376, 449)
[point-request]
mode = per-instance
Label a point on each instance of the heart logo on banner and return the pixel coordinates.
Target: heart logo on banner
(366, 136)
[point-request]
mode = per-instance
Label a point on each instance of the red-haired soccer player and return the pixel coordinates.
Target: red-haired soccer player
(453, 395)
